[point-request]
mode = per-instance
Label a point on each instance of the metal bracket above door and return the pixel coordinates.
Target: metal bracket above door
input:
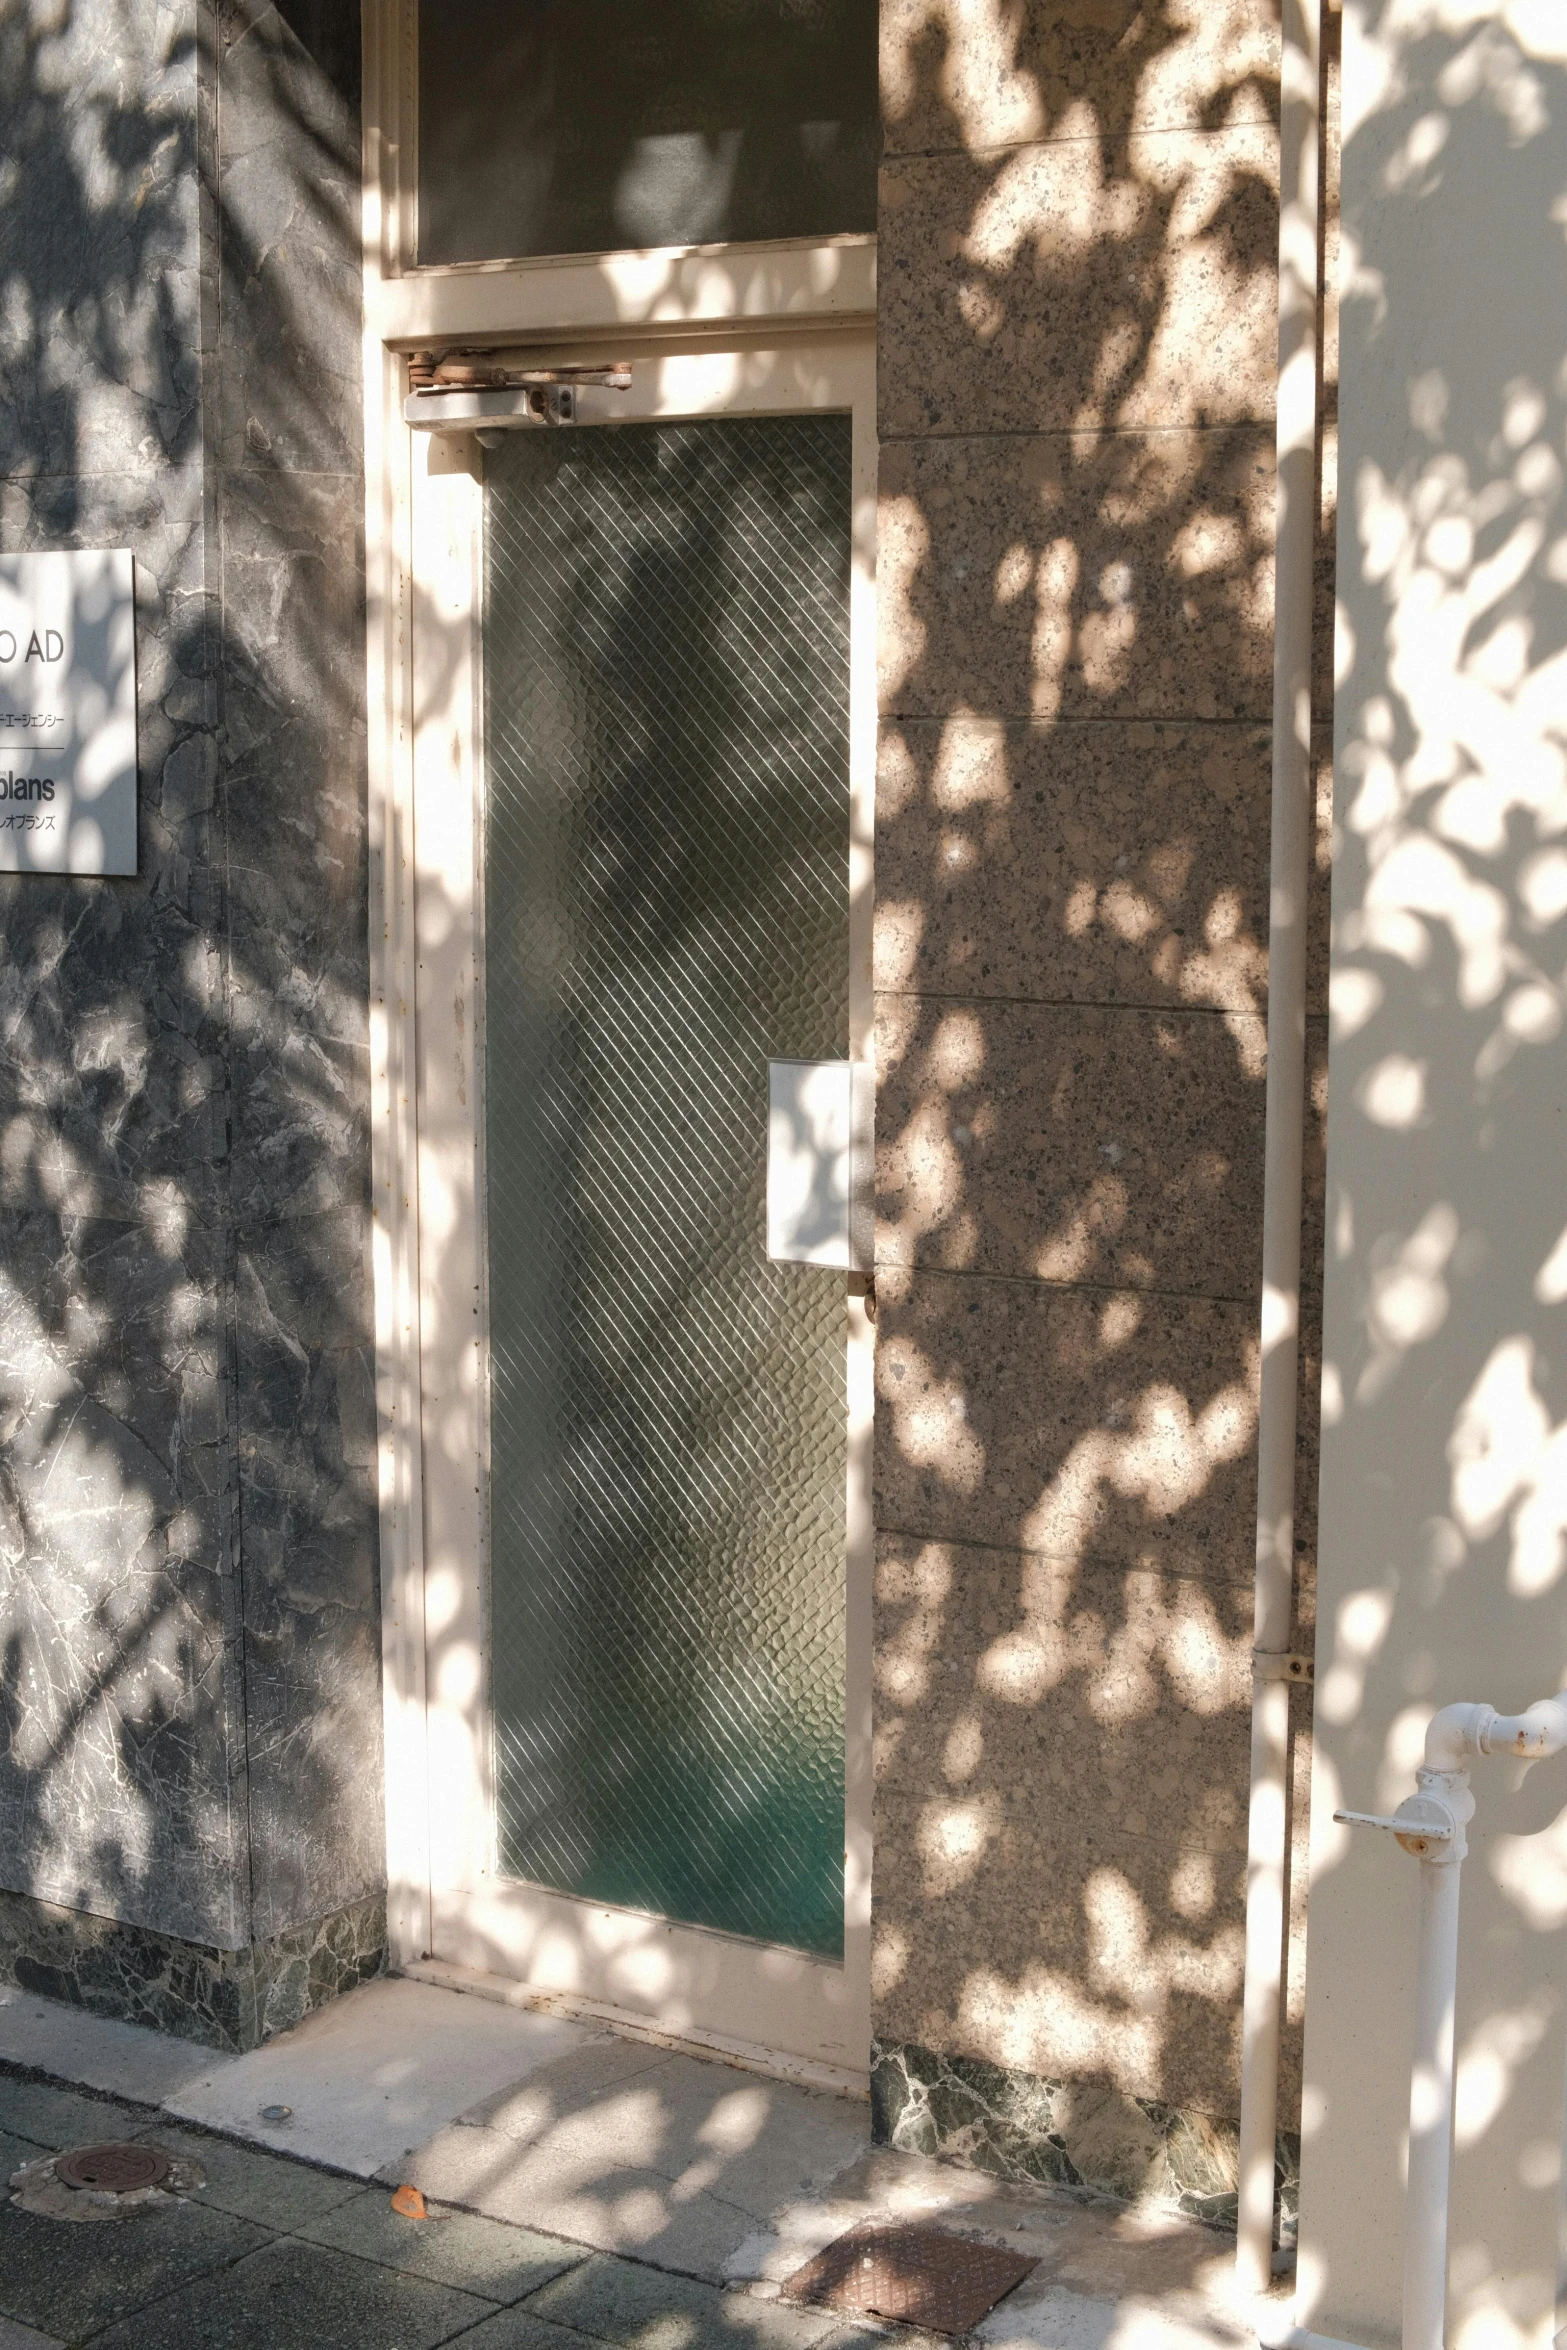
(495, 391)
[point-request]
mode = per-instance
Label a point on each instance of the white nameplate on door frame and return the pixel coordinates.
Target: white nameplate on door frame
(816, 1163)
(68, 712)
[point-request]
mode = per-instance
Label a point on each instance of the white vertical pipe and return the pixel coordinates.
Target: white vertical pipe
(1561, 2226)
(1431, 2109)
(1263, 1992)
(1286, 1093)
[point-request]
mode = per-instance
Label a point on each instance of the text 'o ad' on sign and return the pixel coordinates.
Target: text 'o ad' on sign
(68, 713)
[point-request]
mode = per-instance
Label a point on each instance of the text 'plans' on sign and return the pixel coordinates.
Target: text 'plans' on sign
(68, 713)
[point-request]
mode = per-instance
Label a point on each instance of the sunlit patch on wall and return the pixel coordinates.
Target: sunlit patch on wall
(1489, 2059)
(964, 1750)
(889, 1961)
(1532, 1872)
(1165, 1461)
(1393, 1092)
(1192, 1886)
(952, 1840)
(1360, 1626)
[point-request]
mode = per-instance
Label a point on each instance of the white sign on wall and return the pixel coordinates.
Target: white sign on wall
(817, 1149)
(67, 713)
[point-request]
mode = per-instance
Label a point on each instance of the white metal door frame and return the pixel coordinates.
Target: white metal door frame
(753, 330)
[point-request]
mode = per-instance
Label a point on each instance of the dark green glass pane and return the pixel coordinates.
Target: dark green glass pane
(666, 910)
(587, 126)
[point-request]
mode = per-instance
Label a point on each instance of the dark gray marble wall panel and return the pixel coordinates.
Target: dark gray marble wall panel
(312, 1627)
(99, 238)
(291, 502)
(122, 1751)
(189, 1679)
(292, 288)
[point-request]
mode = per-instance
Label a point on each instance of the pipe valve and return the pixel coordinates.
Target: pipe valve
(1423, 1825)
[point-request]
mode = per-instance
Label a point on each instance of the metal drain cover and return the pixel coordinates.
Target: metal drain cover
(113, 2169)
(920, 2276)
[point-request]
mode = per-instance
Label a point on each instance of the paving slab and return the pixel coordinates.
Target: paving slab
(748, 2139)
(1130, 2255)
(71, 2279)
(1057, 2319)
(450, 2247)
(372, 2074)
(15, 2337)
(673, 2158)
(567, 2188)
(54, 2117)
(519, 2329)
(577, 2077)
(268, 2188)
(126, 2060)
(884, 2185)
(14, 2152)
(640, 2308)
(294, 2296)
(616, 2207)
(1053, 2319)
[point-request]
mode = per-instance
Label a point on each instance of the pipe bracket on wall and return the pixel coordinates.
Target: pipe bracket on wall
(1268, 1665)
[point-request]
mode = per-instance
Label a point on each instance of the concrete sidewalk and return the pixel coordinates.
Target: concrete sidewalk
(582, 2187)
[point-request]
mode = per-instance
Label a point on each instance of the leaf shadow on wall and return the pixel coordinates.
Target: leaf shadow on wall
(1445, 1402)
(189, 1643)
(1079, 266)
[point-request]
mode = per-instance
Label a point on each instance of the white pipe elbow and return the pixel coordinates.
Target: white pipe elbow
(1456, 1734)
(1459, 1732)
(1540, 1731)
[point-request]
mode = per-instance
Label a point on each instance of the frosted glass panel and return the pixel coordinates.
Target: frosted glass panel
(586, 126)
(666, 913)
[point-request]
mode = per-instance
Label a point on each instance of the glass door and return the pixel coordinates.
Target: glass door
(665, 634)
(642, 746)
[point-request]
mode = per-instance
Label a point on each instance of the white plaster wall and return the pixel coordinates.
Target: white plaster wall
(1443, 1548)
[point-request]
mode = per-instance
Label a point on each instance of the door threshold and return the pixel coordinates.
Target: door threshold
(806, 2072)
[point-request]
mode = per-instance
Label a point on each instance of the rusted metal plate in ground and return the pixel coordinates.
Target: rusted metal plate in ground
(114, 2169)
(921, 2276)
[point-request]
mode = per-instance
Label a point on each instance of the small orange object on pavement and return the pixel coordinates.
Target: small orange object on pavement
(409, 2203)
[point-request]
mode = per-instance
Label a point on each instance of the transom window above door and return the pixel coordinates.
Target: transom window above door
(593, 126)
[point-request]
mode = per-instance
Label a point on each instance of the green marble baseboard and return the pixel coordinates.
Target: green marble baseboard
(1062, 2134)
(231, 1999)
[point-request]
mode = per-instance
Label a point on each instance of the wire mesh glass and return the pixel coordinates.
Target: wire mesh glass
(666, 910)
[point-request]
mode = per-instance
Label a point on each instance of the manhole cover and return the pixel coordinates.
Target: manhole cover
(921, 2276)
(112, 2169)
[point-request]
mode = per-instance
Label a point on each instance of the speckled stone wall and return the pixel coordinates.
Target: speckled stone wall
(189, 1741)
(1077, 353)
